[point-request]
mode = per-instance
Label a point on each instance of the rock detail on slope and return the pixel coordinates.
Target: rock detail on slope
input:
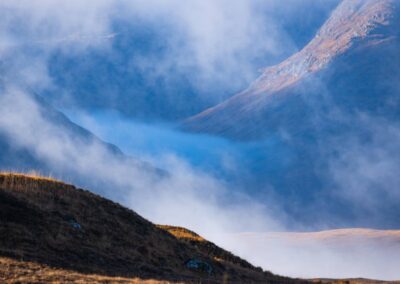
(57, 225)
(206, 247)
(355, 27)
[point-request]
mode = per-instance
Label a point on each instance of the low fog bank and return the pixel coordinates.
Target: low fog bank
(181, 194)
(345, 179)
(332, 254)
(352, 253)
(188, 195)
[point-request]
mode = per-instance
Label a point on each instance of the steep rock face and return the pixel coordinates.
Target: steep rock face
(356, 48)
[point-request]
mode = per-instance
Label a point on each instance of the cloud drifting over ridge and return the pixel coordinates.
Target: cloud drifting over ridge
(205, 49)
(32, 31)
(184, 196)
(204, 37)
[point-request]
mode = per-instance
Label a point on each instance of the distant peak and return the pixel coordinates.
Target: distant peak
(355, 29)
(352, 22)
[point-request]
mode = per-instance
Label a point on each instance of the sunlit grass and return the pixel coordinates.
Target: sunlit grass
(30, 180)
(14, 271)
(182, 233)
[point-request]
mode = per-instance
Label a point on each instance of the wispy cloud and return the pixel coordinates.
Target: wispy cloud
(186, 55)
(183, 196)
(218, 41)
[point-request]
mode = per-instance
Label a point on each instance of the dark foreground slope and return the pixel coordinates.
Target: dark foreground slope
(46, 225)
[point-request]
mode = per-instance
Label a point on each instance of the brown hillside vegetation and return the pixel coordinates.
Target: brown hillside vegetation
(16, 271)
(206, 247)
(50, 231)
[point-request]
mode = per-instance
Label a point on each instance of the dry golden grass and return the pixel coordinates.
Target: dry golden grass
(30, 181)
(31, 175)
(182, 233)
(14, 271)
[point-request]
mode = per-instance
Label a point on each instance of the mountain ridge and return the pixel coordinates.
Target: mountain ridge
(354, 26)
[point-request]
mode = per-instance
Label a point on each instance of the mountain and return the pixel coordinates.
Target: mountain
(151, 70)
(351, 64)
(70, 232)
(20, 155)
(331, 114)
(34, 136)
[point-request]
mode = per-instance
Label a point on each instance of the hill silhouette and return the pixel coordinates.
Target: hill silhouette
(47, 225)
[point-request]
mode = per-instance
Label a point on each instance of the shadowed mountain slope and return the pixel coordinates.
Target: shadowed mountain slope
(34, 136)
(332, 113)
(57, 225)
(17, 155)
(351, 63)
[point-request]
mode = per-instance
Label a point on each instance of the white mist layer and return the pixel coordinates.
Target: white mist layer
(188, 196)
(343, 253)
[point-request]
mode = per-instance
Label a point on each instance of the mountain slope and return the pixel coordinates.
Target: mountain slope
(59, 226)
(131, 76)
(205, 246)
(23, 112)
(331, 112)
(34, 136)
(353, 60)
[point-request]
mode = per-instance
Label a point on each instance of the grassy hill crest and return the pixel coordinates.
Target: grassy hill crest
(51, 224)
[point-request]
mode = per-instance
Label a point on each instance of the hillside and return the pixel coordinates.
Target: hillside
(49, 224)
(17, 152)
(331, 114)
(340, 244)
(206, 247)
(350, 64)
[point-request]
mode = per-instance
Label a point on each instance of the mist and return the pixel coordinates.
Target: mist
(164, 197)
(351, 253)
(169, 60)
(129, 71)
